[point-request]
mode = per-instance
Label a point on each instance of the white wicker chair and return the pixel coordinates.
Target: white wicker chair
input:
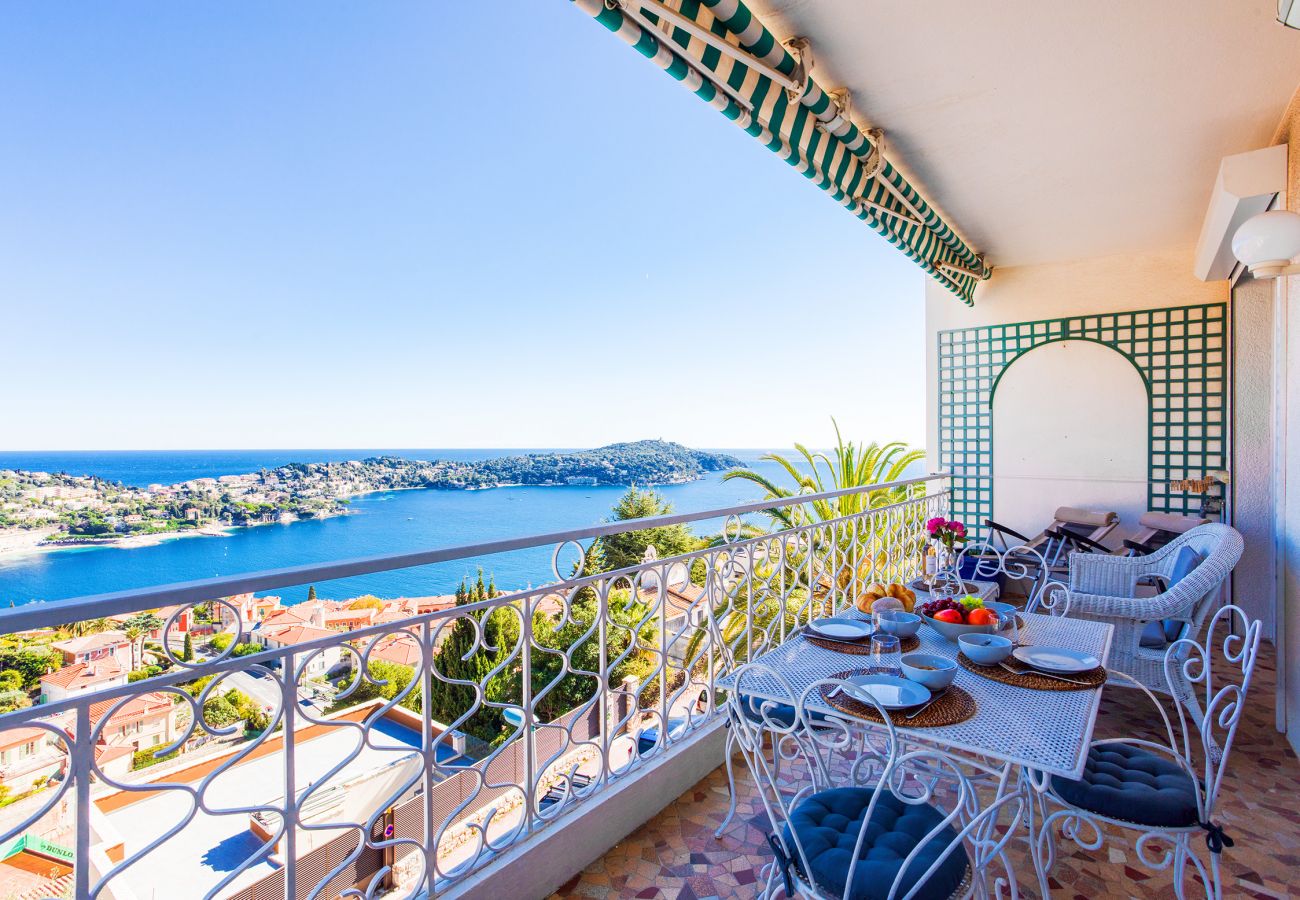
(1104, 588)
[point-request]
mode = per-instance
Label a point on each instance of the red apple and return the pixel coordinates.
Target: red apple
(948, 615)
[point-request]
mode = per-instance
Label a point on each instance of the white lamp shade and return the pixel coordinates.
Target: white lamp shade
(1288, 13)
(1270, 238)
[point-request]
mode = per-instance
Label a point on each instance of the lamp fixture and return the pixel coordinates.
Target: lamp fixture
(1288, 13)
(1268, 244)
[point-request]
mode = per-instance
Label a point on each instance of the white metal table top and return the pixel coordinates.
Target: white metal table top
(1044, 730)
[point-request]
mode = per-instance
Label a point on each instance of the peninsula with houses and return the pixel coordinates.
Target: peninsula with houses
(49, 510)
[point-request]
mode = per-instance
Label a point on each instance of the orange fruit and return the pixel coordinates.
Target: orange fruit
(982, 616)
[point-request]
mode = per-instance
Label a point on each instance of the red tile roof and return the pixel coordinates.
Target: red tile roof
(146, 706)
(84, 675)
(298, 634)
(93, 642)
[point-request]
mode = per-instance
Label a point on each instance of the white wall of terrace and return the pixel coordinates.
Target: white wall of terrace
(1052, 291)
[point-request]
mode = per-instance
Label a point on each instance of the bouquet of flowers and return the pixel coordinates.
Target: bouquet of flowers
(948, 532)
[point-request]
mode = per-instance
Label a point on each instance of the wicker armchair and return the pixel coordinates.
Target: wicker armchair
(1104, 588)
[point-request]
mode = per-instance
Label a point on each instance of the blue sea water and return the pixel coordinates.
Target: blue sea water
(382, 523)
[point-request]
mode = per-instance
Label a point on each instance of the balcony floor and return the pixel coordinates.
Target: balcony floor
(676, 856)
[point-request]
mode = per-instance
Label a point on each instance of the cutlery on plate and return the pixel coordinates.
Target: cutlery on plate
(1014, 671)
(926, 705)
(854, 643)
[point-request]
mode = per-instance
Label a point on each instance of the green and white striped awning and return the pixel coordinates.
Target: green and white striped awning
(729, 59)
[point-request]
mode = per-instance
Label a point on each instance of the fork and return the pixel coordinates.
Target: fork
(1044, 674)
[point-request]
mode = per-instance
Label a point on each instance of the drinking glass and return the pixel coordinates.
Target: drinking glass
(884, 653)
(1007, 626)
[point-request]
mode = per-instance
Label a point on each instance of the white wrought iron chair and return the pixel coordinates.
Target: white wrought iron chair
(869, 820)
(1166, 793)
(1104, 588)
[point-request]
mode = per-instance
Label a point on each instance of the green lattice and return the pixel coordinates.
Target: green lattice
(1180, 352)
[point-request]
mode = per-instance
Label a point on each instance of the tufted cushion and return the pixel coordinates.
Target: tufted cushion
(1133, 785)
(828, 824)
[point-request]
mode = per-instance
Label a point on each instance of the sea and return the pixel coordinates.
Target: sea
(379, 523)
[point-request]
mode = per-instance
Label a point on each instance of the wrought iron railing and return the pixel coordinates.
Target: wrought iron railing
(546, 696)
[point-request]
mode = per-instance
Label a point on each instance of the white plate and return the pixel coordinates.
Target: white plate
(841, 629)
(1056, 659)
(889, 691)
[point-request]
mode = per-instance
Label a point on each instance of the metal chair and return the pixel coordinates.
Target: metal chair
(868, 821)
(1156, 789)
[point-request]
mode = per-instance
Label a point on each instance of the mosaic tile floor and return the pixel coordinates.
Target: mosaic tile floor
(675, 856)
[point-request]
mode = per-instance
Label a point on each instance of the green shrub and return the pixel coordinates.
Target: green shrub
(221, 641)
(143, 759)
(11, 680)
(246, 649)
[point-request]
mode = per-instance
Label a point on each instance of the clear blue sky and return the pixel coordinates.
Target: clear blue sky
(417, 224)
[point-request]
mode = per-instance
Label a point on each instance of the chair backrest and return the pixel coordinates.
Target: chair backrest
(830, 748)
(1210, 705)
(1220, 548)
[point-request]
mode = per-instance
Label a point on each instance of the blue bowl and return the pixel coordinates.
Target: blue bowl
(938, 673)
(985, 649)
(899, 623)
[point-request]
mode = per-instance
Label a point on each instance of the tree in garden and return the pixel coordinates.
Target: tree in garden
(311, 593)
(136, 629)
(628, 548)
(187, 649)
(85, 627)
(459, 659)
(366, 601)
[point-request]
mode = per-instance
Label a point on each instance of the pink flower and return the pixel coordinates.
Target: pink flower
(933, 525)
(956, 526)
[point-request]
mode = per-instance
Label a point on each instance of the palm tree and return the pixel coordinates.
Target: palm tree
(84, 627)
(848, 466)
(821, 558)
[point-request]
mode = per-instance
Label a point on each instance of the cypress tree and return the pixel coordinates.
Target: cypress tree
(187, 650)
(311, 593)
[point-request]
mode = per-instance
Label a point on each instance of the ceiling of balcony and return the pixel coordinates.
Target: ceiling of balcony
(1050, 131)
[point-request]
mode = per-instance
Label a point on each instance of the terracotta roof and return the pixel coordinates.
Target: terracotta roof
(143, 707)
(403, 651)
(286, 617)
(21, 735)
(299, 634)
(107, 753)
(92, 642)
(83, 675)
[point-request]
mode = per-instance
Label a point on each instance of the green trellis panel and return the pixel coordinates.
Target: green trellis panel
(1180, 352)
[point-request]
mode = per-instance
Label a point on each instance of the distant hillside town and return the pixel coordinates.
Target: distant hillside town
(71, 509)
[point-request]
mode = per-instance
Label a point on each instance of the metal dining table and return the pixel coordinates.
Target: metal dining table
(1038, 733)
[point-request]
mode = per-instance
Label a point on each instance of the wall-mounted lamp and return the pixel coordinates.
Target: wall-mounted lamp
(1288, 13)
(1269, 243)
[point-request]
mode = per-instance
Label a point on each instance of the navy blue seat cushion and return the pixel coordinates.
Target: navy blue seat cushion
(648, 738)
(1133, 785)
(828, 824)
(758, 710)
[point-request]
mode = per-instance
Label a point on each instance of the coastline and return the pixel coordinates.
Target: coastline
(31, 542)
(17, 543)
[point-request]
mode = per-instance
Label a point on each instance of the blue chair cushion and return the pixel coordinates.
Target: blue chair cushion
(1157, 634)
(1133, 785)
(828, 824)
(648, 738)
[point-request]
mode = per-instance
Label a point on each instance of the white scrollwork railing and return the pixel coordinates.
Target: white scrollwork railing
(403, 753)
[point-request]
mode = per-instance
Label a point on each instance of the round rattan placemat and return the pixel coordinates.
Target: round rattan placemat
(956, 705)
(863, 648)
(1028, 678)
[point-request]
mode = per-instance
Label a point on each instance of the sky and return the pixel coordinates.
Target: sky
(413, 224)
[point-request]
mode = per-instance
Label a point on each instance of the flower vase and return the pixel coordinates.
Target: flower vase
(948, 581)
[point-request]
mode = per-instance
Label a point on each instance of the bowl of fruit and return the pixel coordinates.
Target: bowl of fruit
(953, 617)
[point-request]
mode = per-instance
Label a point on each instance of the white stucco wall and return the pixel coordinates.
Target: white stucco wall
(1254, 581)
(1049, 291)
(1083, 396)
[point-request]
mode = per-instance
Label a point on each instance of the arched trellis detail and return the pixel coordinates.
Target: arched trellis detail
(1180, 353)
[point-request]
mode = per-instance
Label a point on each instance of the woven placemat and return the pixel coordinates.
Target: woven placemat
(861, 648)
(956, 705)
(1028, 678)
